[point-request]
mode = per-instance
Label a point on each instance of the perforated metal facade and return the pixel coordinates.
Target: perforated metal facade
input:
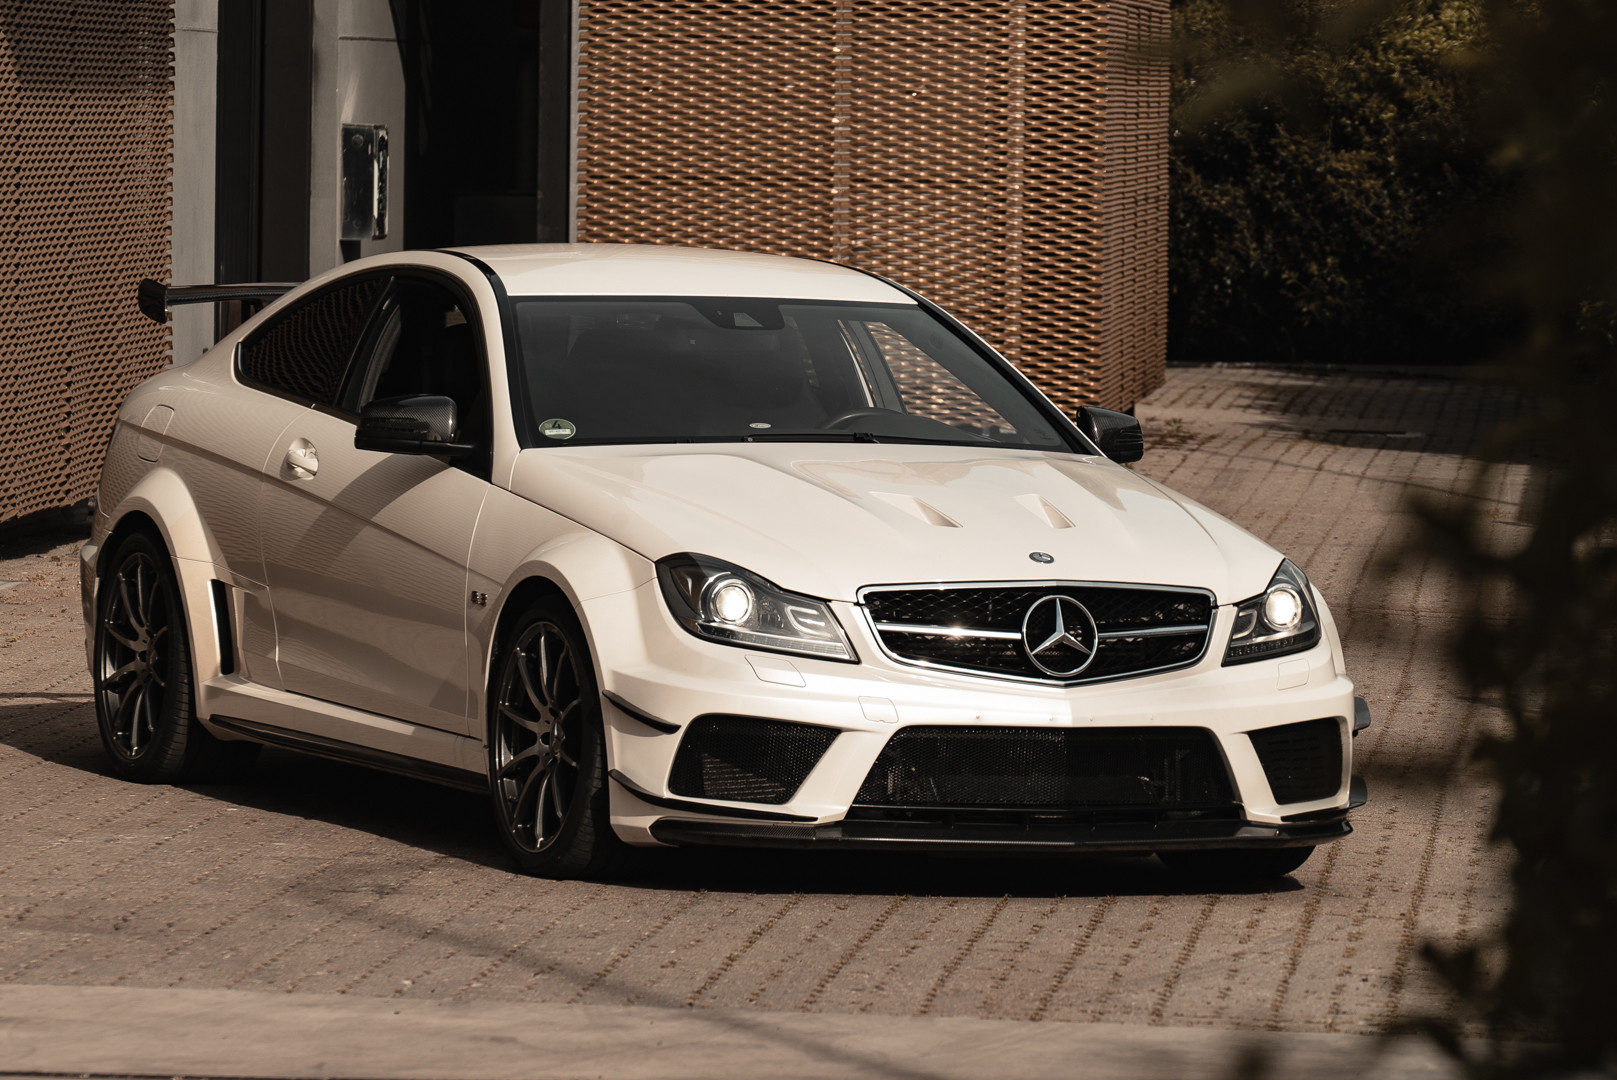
(1008, 158)
(86, 117)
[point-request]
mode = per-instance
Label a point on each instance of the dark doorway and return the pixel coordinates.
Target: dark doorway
(266, 63)
(488, 88)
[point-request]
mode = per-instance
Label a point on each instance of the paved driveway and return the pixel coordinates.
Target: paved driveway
(315, 878)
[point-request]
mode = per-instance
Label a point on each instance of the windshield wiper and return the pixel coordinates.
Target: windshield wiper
(810, 436)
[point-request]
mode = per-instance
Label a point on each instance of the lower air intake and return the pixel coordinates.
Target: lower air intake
(1302, 761)
(746, 759)
(1060, 769)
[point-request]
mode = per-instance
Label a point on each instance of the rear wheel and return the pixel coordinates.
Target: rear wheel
(547, 754)
(1238, 864)
(144, 699)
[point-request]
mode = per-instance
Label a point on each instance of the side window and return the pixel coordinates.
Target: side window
(425, 344)
(304, 353)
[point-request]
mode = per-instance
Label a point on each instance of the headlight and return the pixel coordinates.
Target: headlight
(725, 603)
(1282, 620)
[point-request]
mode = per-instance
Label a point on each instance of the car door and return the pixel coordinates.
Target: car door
(365, 552)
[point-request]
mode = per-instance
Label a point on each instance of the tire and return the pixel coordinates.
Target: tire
(144, 697)
(1236, 865)
(547, 748)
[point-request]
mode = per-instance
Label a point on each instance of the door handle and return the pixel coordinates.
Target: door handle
(302, 459)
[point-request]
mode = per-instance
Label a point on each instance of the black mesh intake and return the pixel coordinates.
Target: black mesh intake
(1141, 629)
(1302, 761)
(745, 759)
(1028, 768)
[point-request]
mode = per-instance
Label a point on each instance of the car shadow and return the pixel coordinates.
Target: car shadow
(457, 824)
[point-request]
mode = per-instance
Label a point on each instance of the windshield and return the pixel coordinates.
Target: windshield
(688, 370)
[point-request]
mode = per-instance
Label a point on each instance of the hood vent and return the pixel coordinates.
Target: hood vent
(1044, 510)
(917, 509)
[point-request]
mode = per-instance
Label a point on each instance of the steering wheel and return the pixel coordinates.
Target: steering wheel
(865, 413)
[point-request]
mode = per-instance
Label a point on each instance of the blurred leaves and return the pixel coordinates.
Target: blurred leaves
(1315, 148)
(1350, 168)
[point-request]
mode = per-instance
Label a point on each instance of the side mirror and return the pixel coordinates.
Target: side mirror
(1117, 434)
(417, 424)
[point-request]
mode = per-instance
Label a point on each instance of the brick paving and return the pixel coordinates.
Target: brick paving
(311, 877)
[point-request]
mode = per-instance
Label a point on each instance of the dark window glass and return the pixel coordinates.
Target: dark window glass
(662, 369)
(304, 352)
(425, 344)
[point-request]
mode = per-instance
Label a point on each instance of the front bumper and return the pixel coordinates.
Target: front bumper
(658, 679)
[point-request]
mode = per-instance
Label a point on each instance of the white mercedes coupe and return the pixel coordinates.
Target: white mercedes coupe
(660, 546)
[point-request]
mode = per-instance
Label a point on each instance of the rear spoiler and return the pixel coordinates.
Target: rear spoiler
(155, 298)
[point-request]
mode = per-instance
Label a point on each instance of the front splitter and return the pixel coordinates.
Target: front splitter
(1059, 839)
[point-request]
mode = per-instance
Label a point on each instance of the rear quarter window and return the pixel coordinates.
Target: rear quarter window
(303, 353)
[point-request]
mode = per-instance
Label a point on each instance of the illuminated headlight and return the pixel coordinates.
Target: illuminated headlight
(1282, 620)
(724, 603)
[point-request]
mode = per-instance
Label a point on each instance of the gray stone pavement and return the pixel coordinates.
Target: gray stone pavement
(297, 908)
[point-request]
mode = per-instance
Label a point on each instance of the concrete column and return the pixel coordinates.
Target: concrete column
(196, 51)
(358, 79)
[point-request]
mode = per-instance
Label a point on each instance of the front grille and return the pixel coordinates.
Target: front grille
(746, 759)
(978, 628)
(1302, 761)
(1060, 769)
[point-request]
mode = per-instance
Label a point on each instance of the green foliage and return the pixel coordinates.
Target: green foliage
(1315, 146)
(1334, 152)
(1549, 119)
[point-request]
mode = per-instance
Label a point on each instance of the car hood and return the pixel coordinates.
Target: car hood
(827, 519)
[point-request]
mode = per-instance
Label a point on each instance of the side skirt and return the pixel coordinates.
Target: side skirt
(336, 750)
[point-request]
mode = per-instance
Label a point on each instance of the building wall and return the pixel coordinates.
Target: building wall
(1008, 158)
(86, 133)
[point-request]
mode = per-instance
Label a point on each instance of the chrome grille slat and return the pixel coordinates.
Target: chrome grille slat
(976, 627)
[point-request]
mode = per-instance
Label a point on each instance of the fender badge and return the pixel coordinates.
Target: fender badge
(1041, 557)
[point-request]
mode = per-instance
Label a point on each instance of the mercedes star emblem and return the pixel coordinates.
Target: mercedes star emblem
(1059, 635)
(1041, 556)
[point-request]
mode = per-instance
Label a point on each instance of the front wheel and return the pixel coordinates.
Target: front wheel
(547, 754)
(1236, 864)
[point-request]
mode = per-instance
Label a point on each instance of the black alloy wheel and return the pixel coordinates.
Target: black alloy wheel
(144, 698)
(547, 758)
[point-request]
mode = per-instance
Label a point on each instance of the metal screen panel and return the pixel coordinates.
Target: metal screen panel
(86, 139)
(1007, 159)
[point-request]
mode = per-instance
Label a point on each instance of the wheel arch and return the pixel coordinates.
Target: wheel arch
(161, 504)
(572, 569)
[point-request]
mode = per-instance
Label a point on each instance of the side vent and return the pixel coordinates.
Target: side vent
(221, 622)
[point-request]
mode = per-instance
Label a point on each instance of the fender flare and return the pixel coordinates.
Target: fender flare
(163, 497)
(578, 565)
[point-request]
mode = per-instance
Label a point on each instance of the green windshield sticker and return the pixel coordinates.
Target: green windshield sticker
(558, 429)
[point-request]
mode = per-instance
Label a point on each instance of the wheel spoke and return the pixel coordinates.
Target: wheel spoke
(131, 612)
(137, 701)
(535, 726)
(511, 766)
(527, 683)
(143, 595)
(530, 789)
(123, 721)
(133, 667)
(556, 799)
(540, 834)
(147, 709)
(127, 642)
(553, 687)
(544, 668)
